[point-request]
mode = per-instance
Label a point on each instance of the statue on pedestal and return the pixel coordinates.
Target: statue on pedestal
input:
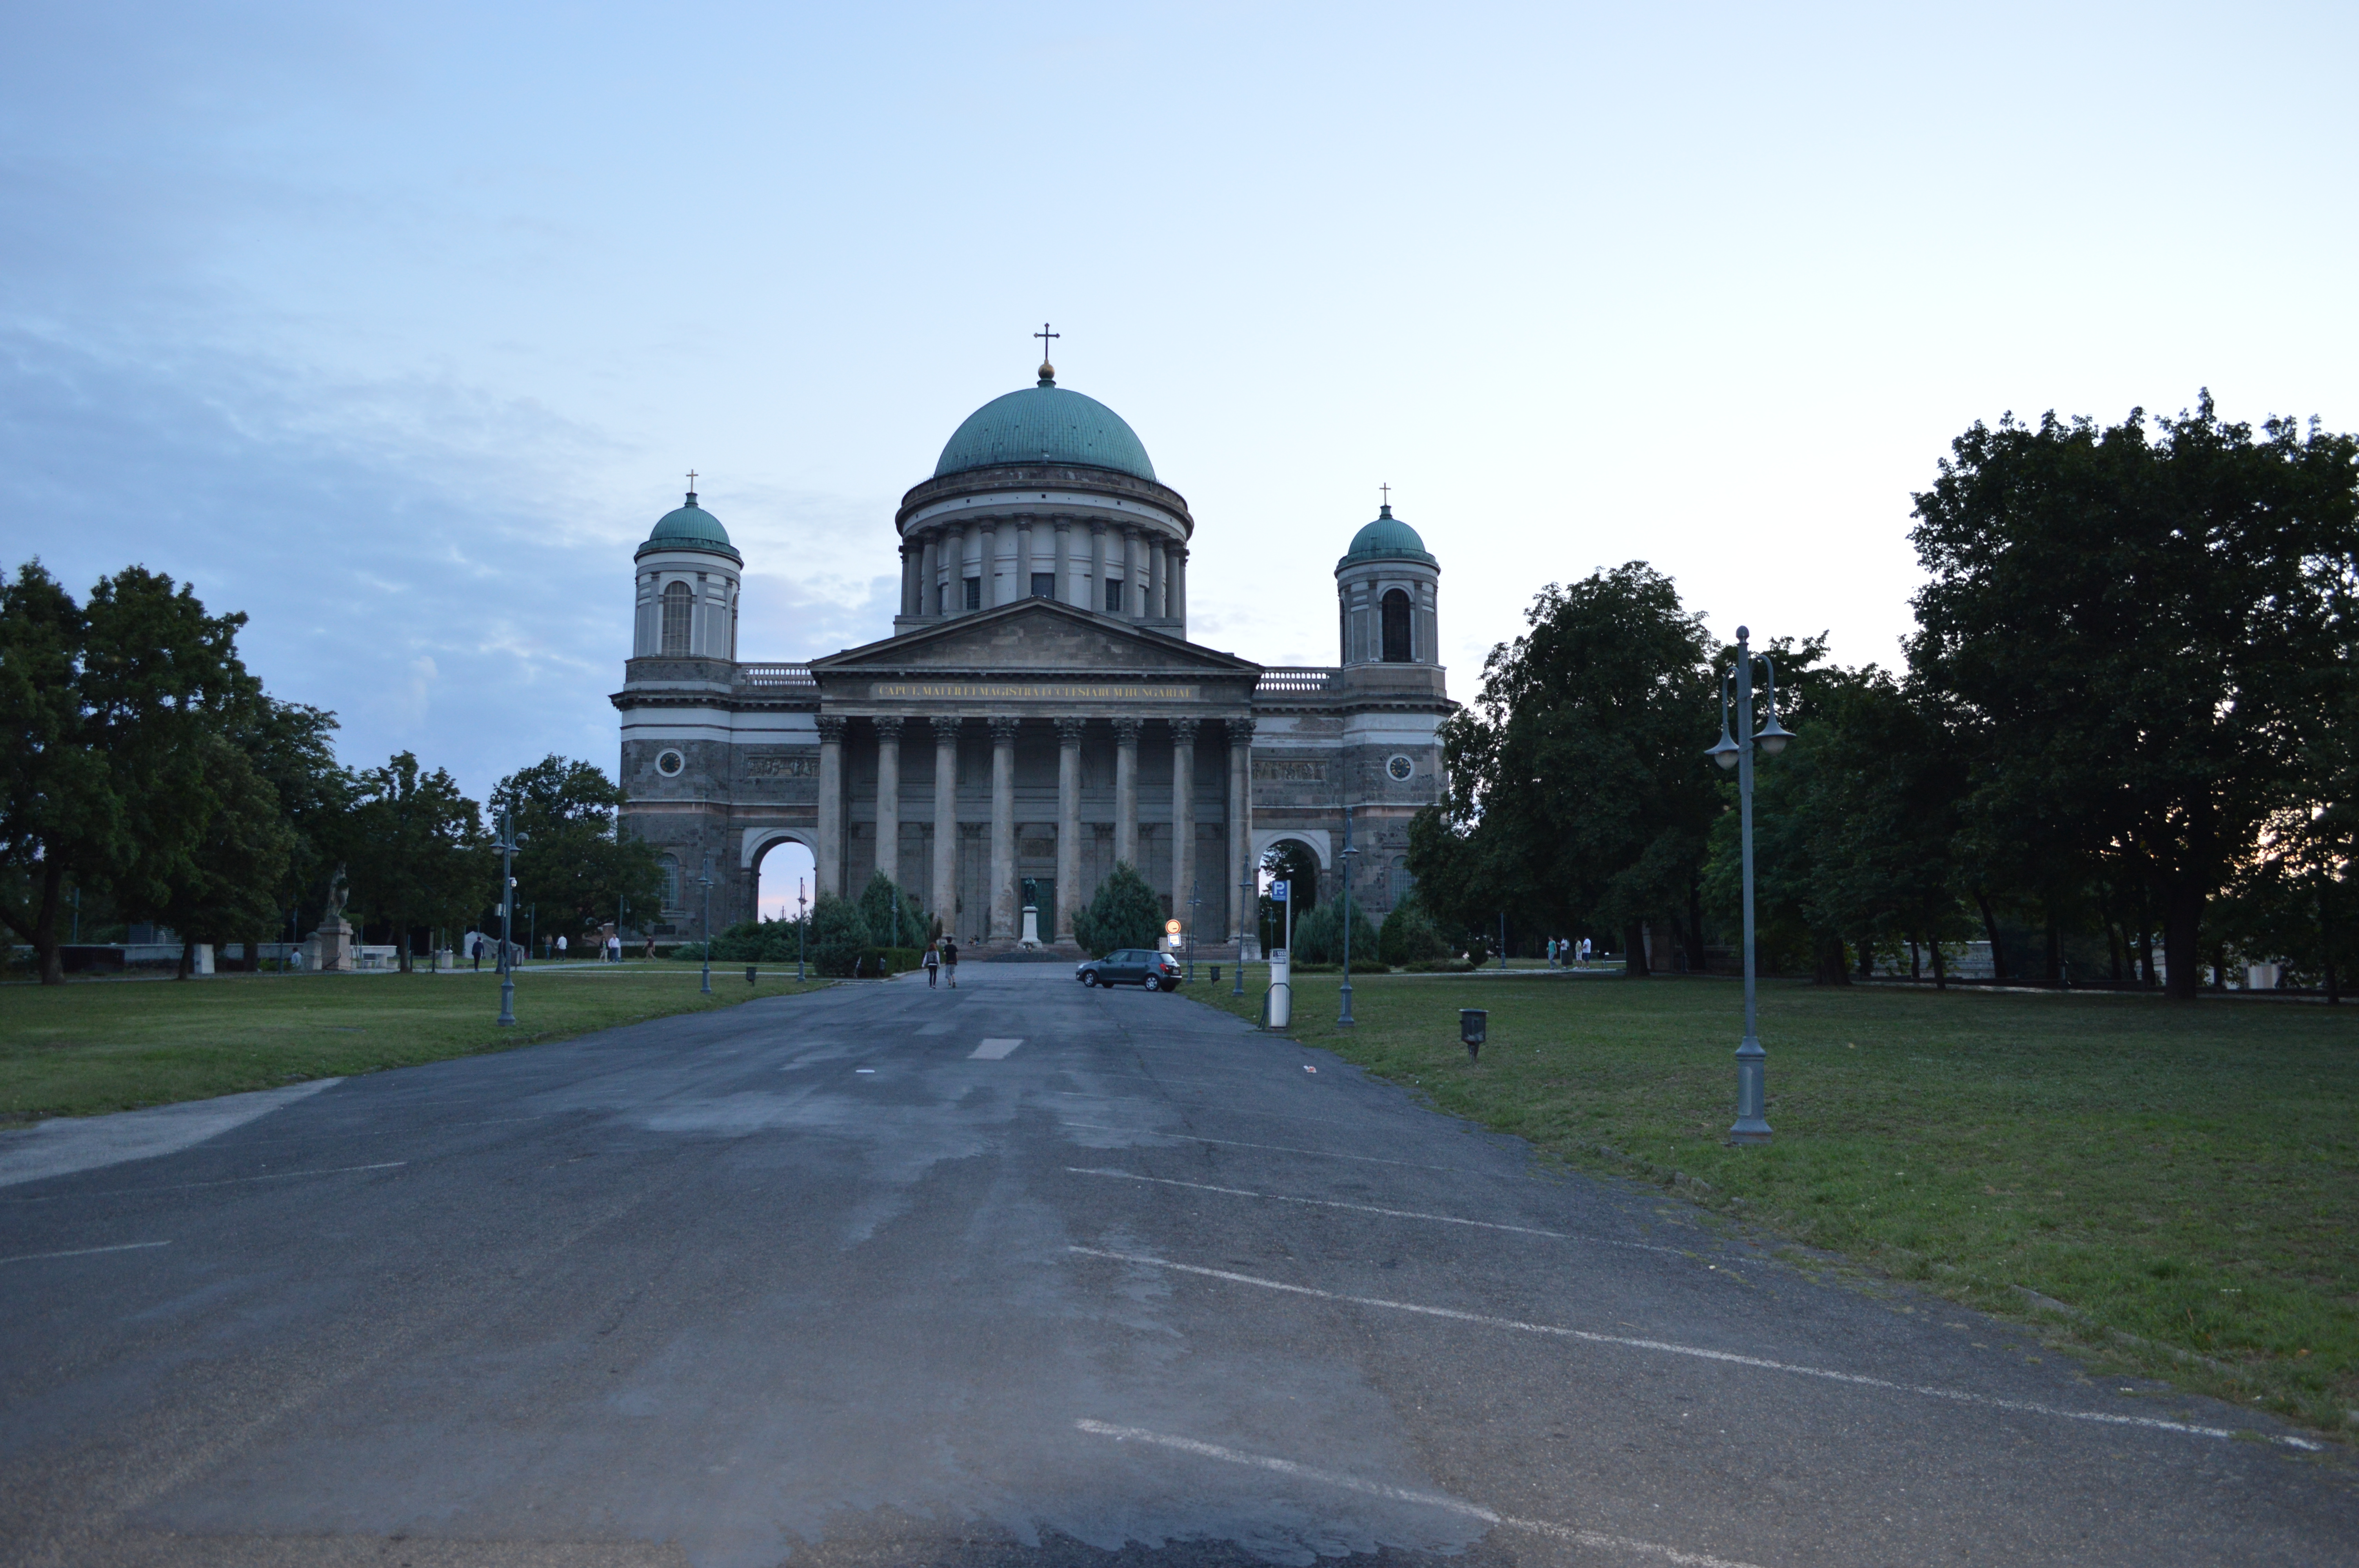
(330, 947)
(1031, 938)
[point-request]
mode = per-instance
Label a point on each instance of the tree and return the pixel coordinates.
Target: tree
(1125, 913)
(576, 864)
(229, 882)
(103, 708)
(291, 749)
(2138, 630)
(417, 850)
(1579, 793)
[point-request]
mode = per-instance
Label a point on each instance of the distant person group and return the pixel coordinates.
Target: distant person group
(941, 957)
(1563, 954)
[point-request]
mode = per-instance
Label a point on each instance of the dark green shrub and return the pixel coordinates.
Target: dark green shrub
(1319, 936)
(839, 935)
(1409, 936)
(893, 916)
(1125, 913)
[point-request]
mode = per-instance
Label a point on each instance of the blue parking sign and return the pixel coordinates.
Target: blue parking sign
(1277, 892)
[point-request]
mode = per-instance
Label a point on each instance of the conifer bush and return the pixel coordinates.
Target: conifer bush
(1125, 913)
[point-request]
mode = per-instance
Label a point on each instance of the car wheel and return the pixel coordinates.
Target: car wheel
(1090, 978)
(1153, 982)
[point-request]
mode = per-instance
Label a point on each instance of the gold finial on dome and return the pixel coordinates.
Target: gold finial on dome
(1048, 370)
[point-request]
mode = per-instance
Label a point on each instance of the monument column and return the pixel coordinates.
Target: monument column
(1097, 566)
(1069, 823)
(1241, 904)
(1125, 791)
(1023, 559)
(946, 738)
(1003, 829)
(1183, 810)
(830, 805)
(1064, 560)
(888, 798)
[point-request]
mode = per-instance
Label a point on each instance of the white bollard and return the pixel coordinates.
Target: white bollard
(1281, 989)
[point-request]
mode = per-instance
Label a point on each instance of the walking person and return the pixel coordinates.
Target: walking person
(950, 960)
(479, 954)
(561, 949)
(933, 965)
(614, 948)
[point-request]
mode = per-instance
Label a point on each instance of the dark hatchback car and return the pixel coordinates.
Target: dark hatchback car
(1131, 966)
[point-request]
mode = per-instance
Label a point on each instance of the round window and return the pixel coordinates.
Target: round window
(1400, 768)
(669, 763)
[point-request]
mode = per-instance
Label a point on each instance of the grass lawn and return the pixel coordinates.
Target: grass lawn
(2188, 1175)
(112, 1044)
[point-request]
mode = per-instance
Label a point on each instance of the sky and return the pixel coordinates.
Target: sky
(396, 327)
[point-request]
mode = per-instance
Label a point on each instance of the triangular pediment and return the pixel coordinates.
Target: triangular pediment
(1034, 636)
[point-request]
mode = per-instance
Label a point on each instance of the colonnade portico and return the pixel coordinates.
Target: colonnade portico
(1074, 817)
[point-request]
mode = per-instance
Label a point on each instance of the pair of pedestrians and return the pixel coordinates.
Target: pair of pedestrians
(941, 956)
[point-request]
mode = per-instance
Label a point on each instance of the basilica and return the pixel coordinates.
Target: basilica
(1039, 713)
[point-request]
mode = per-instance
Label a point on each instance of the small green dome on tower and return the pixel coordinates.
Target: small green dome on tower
(1045, 423)
(691, 528)
(1387, 536)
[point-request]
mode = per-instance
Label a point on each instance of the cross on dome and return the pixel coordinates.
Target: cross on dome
(1048, 370)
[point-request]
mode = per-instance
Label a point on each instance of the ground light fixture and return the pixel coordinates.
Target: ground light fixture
(1752, 1124)
(1474, 1028)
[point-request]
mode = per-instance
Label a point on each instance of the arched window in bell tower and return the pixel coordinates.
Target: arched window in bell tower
(1396, 637)
(679, 614)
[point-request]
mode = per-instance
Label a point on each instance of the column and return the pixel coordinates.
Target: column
(1240, 903)
(1097, 566)
(888, 798)
(830, 805)
(1069, 822)
(1003, 829)
(1131, 576)
(929, 573)
(1125, 791)
(1155, 579)
(989, 564)
(946, 738)
(1023, 558)
(909, 579)
(1179, 585)
(1064, 579)
(965, 536)
(1183, 813)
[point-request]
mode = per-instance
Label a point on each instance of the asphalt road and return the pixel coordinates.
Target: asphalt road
(1021, 1275)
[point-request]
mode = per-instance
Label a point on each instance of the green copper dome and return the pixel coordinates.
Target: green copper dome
(1387, 537)
(1045, 424)
(691, 528)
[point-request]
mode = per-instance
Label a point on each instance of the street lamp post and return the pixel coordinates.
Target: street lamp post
(1246, 888)
(704, 881)
(508, 918)
(1344, 1019)
(1195, 899)
(802, 930)
(1752, 1084)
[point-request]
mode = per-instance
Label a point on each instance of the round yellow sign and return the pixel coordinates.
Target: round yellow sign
(1171, 928)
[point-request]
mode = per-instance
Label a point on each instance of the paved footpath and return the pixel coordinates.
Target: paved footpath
(1021, 1275)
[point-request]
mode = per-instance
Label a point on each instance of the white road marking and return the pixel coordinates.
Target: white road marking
(1595, 1540)
(1664, 1347)
(82, 1251)
(225, 1182)
(1273, 1148)
(1371, 1208)
(937, 1029)
(994, 1050)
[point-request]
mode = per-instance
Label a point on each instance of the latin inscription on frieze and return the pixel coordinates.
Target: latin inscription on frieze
(781, 766)
(1278, 770)
(1028, 691)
